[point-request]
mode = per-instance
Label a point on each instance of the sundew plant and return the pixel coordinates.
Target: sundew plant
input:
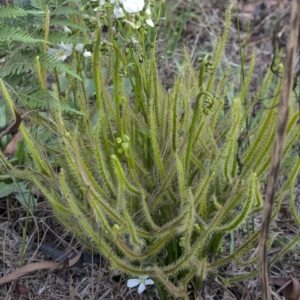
(152, 179)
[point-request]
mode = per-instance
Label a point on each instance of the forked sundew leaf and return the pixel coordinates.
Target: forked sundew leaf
(152, 177)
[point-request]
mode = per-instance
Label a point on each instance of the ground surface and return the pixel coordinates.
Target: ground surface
(95, 281)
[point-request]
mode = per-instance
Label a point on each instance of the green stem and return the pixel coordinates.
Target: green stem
(191, 139)
(162, 295)
(58, 85)
(96, 69)
(195, 118)
(25, 231)
(116, 91)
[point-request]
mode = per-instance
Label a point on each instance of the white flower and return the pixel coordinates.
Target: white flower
(148, 16)
(64, 51)
(87, 53)
(79, 47)
(133, 6)
(118, 11)
(141, 282)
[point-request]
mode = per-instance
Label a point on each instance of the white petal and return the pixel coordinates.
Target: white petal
(65, 46)
(79, 47)
(63, 57)
(87, 53)
(57, 53)
(141, 288)
(133, 6)
(118, 12)
(150, 22)
(52, 51)
(67, 29)
(149, 281)
(68, 52)
(132, 282)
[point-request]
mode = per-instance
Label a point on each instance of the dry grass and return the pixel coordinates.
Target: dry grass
(91, 282)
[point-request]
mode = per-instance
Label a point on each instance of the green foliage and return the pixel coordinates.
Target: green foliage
(12, 34)
(152, 179)
(20, 191)
(12, 12)
(18, 155)
(26, 34)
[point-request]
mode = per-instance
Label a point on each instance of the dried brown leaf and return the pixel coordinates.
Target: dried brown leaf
(290, 286)
(292, 291)
(279, 281)
(35, 267)
(22, 289)
(10, 149)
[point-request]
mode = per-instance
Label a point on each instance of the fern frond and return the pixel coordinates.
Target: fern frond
(14, 12)
(49, 62)
(18, 63)
(8, 34)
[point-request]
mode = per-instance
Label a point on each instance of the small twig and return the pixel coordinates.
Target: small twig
(283, 113)
(14, 126)
(284, 286)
